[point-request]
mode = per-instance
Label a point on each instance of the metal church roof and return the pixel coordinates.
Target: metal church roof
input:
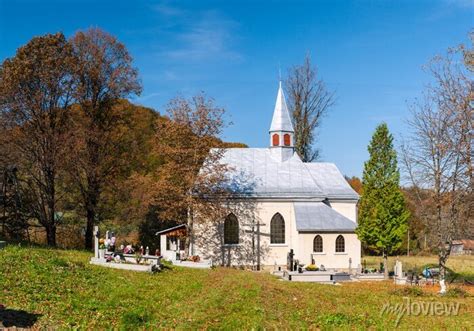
(317, 216)
(330, 180)
(257, 172)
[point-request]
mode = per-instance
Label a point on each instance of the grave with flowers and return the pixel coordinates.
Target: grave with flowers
(125, 257)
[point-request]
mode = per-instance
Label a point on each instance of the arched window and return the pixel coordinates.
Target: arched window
(231, 230)
(276, 140)
(340, 245)
(277, 229)
(318, 244)
(287, 139)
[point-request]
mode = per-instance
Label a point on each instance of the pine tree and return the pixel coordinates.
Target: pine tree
(383, 214)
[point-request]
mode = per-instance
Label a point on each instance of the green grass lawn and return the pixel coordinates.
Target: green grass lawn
(64, 291)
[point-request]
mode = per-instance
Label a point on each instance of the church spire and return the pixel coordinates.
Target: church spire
(281, 117)
(281, 129)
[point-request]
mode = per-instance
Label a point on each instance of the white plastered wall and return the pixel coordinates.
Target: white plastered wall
(277, 253)
(347, 209)
(301, 243)
(329, 258)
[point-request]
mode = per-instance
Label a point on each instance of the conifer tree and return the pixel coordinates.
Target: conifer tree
(383, 214)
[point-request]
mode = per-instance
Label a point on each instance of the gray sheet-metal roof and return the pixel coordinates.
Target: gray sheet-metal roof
(281, 120)
(319, 217)
(265, 175)
(258, 172)
(330, 180)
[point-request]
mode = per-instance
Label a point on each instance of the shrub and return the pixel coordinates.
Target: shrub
(312, 267)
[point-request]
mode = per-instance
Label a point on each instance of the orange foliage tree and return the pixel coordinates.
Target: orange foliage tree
(36, 88)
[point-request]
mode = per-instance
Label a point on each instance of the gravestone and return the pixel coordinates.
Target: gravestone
(96, 241)
(398, 274)
(398, 269)
(290, 261)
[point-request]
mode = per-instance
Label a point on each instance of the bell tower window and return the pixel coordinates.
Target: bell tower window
(276, 140)
(287, 139)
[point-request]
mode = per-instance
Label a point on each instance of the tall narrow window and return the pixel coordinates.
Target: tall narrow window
(340, 245)
(182, 244)
(277, 229)
(231, 230)
(318, 244)
(276, 140)
(287, 139)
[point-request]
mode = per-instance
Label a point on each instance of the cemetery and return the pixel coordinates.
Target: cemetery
(106, 254)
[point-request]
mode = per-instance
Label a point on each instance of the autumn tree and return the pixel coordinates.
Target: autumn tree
(437, 155)
(382, 212)
(355, 183)
(189, 145)
(124, 198)
(309, 101)
(103, 75)
(36, 88)
(416, 239)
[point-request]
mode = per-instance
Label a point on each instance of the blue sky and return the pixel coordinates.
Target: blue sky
(369, 52)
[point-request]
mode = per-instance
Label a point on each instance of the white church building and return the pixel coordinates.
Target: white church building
(307, 209)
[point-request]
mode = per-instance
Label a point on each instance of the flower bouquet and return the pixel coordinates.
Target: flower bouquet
(102, 248)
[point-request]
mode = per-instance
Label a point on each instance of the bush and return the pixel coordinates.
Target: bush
(312, 267)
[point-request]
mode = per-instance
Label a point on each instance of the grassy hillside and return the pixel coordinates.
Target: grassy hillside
(58, 288)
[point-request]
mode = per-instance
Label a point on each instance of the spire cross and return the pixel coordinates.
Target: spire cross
(279, 72)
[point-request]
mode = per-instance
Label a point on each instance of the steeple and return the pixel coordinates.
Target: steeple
(281, 129)
(281, 117)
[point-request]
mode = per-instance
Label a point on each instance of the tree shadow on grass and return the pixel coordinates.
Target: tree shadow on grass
(17, 318)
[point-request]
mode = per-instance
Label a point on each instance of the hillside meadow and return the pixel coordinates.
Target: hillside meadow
(46, 288)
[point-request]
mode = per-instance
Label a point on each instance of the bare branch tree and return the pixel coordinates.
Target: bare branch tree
(438, 155)
(309, 101)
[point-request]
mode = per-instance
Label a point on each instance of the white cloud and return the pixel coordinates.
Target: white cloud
(460, 3)
(198, 35)
(147, 96)
(447, 8)
(167, 10)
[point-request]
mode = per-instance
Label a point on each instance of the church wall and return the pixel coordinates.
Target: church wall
(347, 209)
(329, 258)
(209, 238)
(277, 253)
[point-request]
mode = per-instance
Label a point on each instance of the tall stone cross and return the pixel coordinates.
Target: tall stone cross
(253, 225)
